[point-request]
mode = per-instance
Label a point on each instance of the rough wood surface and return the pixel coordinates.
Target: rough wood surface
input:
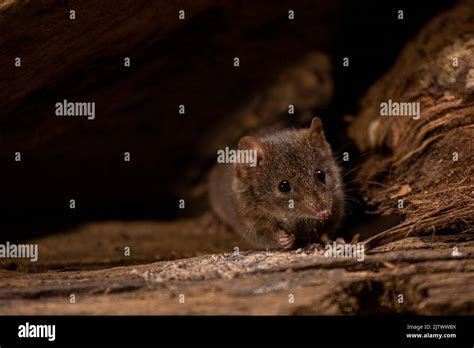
(429, 162)
(423, 270)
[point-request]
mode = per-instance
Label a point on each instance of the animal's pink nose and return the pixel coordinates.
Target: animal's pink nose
(324, 214)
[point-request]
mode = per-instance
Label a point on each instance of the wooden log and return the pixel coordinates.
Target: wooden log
(423, 270)
(422, 169)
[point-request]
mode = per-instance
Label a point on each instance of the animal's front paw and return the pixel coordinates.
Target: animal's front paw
(285, 241)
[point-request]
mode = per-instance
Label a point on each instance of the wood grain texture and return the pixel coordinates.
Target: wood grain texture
(423, 270)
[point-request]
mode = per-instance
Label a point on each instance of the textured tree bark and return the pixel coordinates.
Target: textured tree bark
(426, 163)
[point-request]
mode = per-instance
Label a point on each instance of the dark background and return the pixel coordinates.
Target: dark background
(136, 109)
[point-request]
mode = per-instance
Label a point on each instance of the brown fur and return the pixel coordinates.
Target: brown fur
(248, 200)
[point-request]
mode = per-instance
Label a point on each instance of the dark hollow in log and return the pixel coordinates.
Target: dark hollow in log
(173, 62)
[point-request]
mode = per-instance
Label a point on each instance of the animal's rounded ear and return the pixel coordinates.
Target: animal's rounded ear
(256, 153)
(316, 132)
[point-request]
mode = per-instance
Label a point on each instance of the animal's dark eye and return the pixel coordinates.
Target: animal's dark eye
(320, 176)
(284, 186)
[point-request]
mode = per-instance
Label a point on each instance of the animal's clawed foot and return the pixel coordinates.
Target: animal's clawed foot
(285, 241)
